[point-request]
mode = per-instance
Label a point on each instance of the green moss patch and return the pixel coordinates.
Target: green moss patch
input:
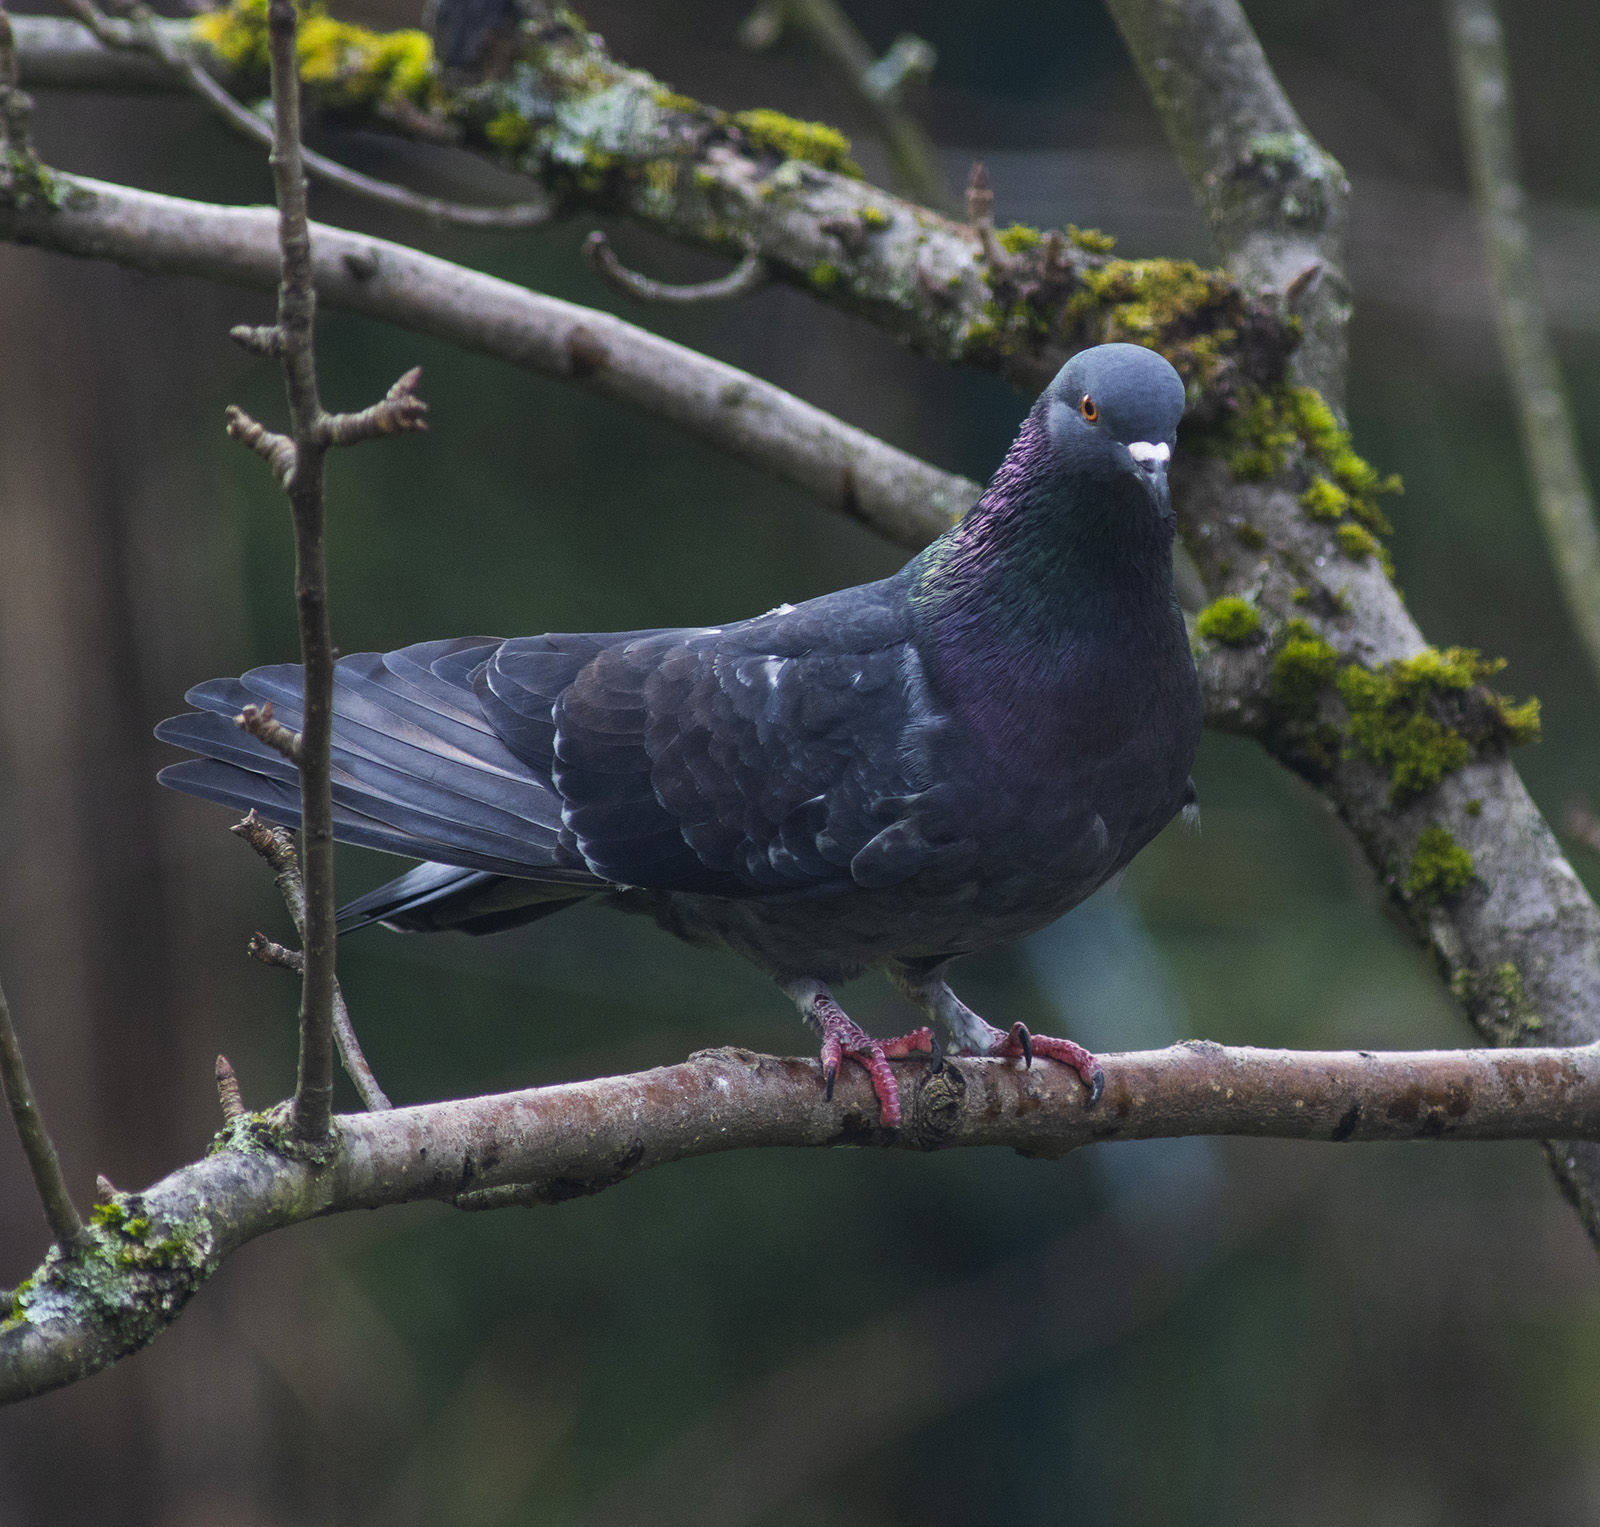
(347, 65)
(1393, 718)
(1019, 238)
(1440, 867)
(1090, 240)
(1304, 666)
(1231, 621)
(813, 142)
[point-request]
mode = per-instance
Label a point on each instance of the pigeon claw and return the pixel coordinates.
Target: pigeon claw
(843, 1039)
(1020, 1043)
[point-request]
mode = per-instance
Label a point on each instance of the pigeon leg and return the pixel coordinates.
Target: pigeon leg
(975, 1036)
(843, 1039)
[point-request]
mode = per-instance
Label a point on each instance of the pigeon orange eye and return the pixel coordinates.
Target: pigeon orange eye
(1087, 409)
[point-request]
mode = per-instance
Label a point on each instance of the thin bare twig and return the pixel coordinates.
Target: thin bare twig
(878, 83)
(297, 302)
(297, 461)
(745, 277)
(60, 1214)
(1549, 442)
(142, 33)
(276, 846)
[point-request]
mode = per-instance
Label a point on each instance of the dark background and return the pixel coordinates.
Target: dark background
(1172, 1333)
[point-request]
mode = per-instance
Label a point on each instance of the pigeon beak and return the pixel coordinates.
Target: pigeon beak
(1151, 463)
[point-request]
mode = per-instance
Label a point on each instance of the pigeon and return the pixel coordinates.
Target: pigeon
(883, 778)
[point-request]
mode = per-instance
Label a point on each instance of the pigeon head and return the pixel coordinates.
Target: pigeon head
(1111, 415)
(1075, 528)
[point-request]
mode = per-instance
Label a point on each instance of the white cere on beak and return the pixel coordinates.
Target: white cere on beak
(1142, 451)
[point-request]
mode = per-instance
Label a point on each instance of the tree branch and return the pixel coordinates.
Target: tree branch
(60, 1214)
(1276, 202)
(1549, 441)
(142, 32)
(601, 135)
(844, 468)
(154, 1249)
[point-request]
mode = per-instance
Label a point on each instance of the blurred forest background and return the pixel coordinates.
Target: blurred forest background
(1192, 1332)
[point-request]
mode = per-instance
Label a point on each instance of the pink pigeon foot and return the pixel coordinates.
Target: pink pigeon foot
(844, 1039)
(1018, 1042)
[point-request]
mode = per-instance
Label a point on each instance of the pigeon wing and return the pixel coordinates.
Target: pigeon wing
(784, 755)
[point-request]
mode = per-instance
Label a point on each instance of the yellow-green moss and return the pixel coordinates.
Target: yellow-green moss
(1324, 500)
(1019, 238)
(1303, 667)
(347, 65)
(1519, 723)
(1391, 724)
(1090, 240)
(509, 130)
(1357, 541)
(824, 276)
(1172, 306)
(1513, 1018)
(1230, 620)
(670, 100)
(1474, 807)
(661, 175)
(1440, 867)
(1257, 444)
(874, 218)
(1250, 535)
(814, 142)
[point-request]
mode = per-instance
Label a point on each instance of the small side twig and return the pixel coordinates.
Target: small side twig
(261, 724)
(142, 35)
(980, 213)
(228, 1094)
(45, 1166)
(278, 451)
(746, 276)
(1549, 441)
(400, 411)
(276, 846)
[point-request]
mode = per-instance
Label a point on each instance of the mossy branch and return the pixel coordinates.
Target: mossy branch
(599, 135)
(148, 1253)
